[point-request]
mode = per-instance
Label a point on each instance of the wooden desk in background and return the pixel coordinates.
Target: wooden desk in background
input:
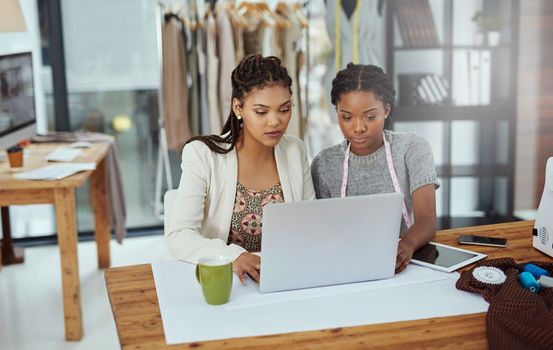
(61, 194)
(135, 307)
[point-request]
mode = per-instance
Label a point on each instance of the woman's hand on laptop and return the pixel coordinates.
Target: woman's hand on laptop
(405, 252)
(249, 264)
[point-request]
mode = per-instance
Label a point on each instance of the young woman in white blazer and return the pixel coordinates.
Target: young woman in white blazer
(226, 180)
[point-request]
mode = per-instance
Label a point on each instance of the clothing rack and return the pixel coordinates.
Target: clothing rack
(163, 166)
(163, 163)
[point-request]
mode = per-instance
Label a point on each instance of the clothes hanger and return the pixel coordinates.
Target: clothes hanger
(273, 19)
(181, 14)
(299, 13)
(250, 15)
(207, 12)
(281, 7)
(238, 21)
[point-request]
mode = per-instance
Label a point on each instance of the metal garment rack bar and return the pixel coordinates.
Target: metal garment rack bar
(163, 163)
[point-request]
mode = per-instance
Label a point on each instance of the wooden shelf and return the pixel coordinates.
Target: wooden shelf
(490, 141)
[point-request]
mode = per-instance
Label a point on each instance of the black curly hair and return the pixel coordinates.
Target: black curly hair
(254, 71)
(360, 77)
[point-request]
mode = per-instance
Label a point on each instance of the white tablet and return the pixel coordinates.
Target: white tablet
(444, 258)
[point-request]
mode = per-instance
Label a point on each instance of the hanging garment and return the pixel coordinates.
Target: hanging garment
(278, 40)
(237, 33)
(117, 212)
(252, 35)
(227, 56)
(205, 123)
(193, 84)
(175, 84)
(292, 46)
(268, 41)
(358, 38)
(215, 119)
(301, 103)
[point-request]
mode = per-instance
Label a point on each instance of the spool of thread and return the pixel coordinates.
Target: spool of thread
(546, 282)
(528, 281)
(536, 271)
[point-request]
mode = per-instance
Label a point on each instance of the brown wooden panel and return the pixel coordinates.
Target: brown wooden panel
(67, 242)
(22, 197)
(135, 307)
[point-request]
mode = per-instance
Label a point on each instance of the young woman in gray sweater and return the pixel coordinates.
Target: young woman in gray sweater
(374, 160)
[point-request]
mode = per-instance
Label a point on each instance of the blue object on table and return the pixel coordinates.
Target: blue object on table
(536, 271)
(528, 281)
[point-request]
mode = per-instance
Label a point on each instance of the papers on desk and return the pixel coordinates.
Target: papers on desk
(55, 171)
(416, 293)
(249, 296)
(63, 154)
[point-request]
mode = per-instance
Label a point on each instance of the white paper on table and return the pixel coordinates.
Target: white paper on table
(187, 318)
(63, 154)
(55, 171)
(249, 295)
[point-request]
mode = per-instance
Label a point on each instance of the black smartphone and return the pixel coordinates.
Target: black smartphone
(480, 240)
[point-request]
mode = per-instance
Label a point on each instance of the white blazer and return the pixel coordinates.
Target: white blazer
(202, 212)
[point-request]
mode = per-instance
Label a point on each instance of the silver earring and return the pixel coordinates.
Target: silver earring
(238, 116)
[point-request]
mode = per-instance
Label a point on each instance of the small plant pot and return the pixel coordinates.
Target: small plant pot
(15, 157)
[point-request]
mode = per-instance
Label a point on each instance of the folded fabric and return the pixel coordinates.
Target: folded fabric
(516, 318)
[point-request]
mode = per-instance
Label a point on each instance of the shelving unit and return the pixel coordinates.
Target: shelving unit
(473, 143)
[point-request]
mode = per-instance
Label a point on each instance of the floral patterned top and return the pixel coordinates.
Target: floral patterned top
(246, 222)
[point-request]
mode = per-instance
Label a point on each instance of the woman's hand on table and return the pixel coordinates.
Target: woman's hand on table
(247, 263)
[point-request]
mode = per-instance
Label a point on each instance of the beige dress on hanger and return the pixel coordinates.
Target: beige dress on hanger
(292, 46)
(237, 33)
(252, 35)
(227, 57)
(175, 85)
(215, 117)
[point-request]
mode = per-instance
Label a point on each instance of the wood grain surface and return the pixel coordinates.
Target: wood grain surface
(61, 193)
(36, 159)
(64, 200)
(135, 307)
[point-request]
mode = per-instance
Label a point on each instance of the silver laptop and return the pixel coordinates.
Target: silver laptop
(329, 241)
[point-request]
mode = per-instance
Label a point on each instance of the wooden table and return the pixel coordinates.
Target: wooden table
(135, 308)
(61, 194)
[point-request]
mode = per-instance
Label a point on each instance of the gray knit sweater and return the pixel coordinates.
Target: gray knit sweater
(413, 162)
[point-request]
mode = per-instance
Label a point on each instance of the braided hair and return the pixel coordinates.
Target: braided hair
(360, 77)
(253, 72)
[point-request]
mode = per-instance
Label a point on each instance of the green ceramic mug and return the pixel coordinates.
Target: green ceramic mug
(214, 274)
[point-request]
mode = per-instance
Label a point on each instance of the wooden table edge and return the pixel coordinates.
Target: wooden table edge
(420, 326)
(101, 150)
(334, 338)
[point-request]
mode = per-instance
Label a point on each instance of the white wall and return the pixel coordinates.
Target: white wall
(15, 42)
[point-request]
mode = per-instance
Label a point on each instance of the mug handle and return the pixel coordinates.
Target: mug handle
(198, 273)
